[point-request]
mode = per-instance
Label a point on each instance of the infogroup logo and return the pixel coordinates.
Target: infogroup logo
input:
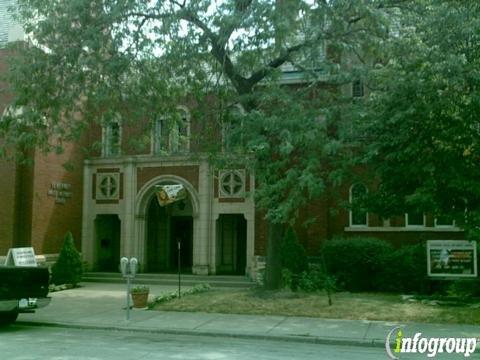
(428, 346)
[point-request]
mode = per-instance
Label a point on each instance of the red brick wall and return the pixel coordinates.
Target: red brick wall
(51, 221)
(8, 174)
(7, 208)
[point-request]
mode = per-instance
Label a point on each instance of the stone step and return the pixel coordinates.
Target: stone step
(172, 279)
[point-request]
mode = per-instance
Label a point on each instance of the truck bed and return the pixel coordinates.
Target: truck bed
(23, 282)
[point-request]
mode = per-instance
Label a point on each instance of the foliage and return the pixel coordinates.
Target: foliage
(139, 289)
(422, 128)
(316, 279)
(69, 267)
(94, 61)
(197, 289)
(464, 289)
(358, 262)
(294, 258)
(406, 270)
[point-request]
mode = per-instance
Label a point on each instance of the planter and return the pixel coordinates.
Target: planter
(140, 299)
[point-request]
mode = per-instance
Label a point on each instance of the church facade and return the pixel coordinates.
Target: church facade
(107, 199)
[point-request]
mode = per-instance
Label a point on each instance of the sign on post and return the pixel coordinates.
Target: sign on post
(452, 258)
(24, 256)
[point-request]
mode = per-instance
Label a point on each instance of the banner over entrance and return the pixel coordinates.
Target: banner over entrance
(167, 194)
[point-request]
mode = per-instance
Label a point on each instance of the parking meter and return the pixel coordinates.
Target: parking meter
(124, 266)
(129, 268)
(133, 267)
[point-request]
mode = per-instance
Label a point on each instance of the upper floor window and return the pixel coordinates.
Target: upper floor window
(111, 138)
(415, 218)
(358, 215)
(232, 128)
(357, 88)
(172, 134)
(444, 222)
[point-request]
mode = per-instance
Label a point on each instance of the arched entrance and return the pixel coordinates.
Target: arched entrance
(158, 228)
(166, 227)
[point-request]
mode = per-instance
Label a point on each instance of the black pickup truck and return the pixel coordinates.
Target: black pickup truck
(22, 289)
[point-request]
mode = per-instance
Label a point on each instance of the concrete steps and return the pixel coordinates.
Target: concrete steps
(231, 281)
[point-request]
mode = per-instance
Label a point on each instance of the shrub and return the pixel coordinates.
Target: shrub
(358, 263)
(406, 270)
(197, 289)
(69, 267)
(315, 279)
(294, 259)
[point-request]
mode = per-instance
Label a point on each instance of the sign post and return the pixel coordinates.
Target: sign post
(452, 259)
(129, 270)
(168, 194)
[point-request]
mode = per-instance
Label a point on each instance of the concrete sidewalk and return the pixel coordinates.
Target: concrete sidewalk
(102, 306)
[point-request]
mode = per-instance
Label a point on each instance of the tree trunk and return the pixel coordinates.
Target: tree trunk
(273, 271)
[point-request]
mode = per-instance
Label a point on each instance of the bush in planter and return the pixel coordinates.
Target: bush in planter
(139, 289)
(358, 263)
(69, 267)
(140, 296)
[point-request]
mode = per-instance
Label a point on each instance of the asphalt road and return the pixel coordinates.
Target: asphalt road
(20, 342)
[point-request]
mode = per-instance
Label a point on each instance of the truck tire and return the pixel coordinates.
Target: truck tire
(7, 318)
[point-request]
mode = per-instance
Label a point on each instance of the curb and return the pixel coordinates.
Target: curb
(284, 338)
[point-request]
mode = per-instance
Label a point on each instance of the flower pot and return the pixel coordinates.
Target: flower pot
(140, 299)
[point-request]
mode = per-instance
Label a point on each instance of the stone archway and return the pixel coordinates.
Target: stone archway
(158, 228)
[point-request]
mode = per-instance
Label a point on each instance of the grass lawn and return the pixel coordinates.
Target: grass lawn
(359, 306)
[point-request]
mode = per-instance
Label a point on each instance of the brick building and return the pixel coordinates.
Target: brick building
(107, 200)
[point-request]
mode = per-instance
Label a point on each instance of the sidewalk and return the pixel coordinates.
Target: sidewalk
(102, 306)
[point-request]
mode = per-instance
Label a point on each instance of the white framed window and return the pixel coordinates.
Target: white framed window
(111, 138)
(231, 183)
(357, 88)
(108, 186)
(415, 219)
(172, 135)
(357, 216)
(444, 222)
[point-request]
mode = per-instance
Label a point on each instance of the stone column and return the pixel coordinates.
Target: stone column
(88, 218)
(130, 243)
(201, 224)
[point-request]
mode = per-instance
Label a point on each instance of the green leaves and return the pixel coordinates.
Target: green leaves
(422, 113)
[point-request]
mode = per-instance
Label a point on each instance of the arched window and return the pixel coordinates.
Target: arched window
(111, 137)
(358, 215)
(172, 135)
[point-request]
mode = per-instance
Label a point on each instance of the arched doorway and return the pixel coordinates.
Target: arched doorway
(166, 226)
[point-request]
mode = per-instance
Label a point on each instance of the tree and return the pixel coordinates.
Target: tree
(69, 267)
(422, 127)
(91, 60)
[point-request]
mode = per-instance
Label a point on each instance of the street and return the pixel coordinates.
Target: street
(21, 342)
